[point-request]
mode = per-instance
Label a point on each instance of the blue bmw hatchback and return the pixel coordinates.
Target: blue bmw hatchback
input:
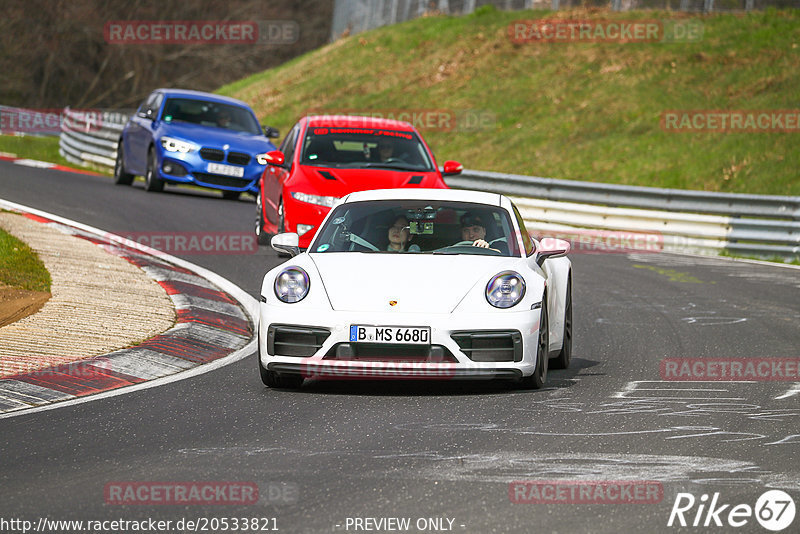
(189, 137)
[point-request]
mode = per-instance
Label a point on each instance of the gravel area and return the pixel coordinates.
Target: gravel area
(100, 303)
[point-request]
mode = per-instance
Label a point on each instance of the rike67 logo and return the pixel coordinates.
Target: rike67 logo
(774, 510)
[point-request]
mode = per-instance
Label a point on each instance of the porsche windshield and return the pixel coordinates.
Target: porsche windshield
(365, 148)
(417, 227)
(213, 114)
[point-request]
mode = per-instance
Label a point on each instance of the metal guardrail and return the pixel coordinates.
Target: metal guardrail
(91, 138)
(700, 221)
(732, 204)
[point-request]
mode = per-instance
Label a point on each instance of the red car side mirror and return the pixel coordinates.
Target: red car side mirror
(275, 157)
(452, 167)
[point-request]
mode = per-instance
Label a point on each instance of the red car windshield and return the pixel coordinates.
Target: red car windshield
(365, 148)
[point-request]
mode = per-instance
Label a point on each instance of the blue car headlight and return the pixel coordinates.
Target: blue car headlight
(505, 289)
(291, 285)
(171, 144)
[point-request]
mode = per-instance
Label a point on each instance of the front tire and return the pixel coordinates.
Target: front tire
(272, 379)
(261, 236)
(120, 176)
(282, 225)
(281, 217)
(151, 180)
(565, 355)
(539, 376)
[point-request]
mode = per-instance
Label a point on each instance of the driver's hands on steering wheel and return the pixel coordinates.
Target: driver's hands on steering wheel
(480, 243)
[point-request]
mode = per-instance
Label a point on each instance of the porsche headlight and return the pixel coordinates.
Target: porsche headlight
(505, 289)
(171, 144)
(291, 285)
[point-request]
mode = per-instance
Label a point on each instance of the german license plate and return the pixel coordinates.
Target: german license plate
(390, 334)
(226, 170)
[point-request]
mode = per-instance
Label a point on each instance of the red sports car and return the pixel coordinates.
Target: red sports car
(325, 157)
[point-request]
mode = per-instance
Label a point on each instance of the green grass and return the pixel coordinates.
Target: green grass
(20, 267)
(583, 111)
(40, 148)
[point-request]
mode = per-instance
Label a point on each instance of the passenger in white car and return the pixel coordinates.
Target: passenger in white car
(399, 236)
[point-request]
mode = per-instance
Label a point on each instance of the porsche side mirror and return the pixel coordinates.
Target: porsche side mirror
(288, 243)
(271, 132)
(550, 247)
(452, 167)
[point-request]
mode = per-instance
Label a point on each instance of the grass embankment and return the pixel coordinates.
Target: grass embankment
(20, 267)
(39, 148)
(583, 111)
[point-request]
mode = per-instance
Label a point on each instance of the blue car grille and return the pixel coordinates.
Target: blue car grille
(212, 154)
(215, 154)
(238, 158)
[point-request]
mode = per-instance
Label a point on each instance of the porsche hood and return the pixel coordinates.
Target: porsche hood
(415, 283)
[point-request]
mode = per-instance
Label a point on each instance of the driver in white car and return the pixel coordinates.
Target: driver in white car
(474, 229)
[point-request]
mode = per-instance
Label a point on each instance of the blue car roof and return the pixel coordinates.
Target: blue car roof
(211, 97)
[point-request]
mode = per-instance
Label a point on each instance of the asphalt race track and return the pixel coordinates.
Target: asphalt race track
(377, 449)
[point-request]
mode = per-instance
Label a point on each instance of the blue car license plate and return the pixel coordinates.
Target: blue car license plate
(226, 170)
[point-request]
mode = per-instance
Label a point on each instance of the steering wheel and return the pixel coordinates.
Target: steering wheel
(467, 246)
(394, 160)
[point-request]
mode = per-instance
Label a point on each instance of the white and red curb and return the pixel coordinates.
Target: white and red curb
(215, 327)
(25, 162)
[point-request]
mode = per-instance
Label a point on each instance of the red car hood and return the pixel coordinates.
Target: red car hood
(329, 181)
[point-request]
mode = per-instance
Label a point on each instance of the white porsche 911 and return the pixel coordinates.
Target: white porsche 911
(417, 283)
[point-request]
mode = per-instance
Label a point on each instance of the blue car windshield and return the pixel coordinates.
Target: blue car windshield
(365, 148)
(214, 114)
(417, 227)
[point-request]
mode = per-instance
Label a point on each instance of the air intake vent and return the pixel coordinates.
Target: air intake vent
(490, 345)
(301, 341)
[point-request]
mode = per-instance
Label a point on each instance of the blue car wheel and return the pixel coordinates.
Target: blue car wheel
(151, 180)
